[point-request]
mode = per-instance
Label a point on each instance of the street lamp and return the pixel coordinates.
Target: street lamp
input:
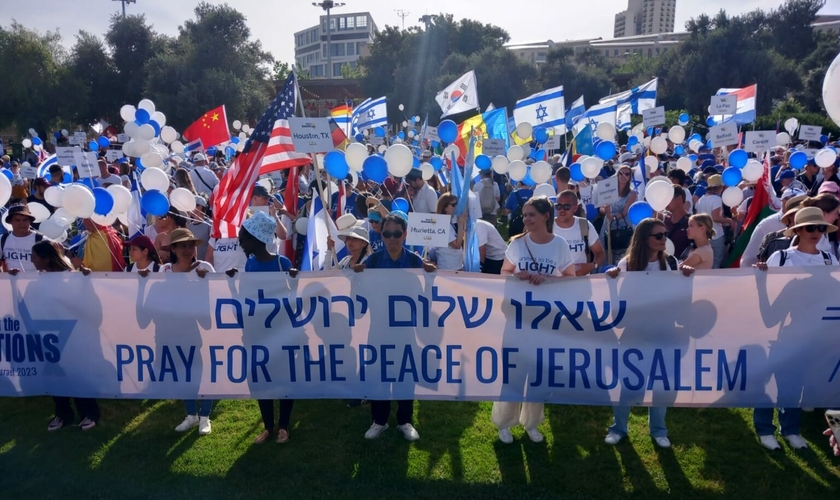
(327, 5)
(123, 5)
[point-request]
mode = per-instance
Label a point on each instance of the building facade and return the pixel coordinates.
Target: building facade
(350, 36)
(645, 17)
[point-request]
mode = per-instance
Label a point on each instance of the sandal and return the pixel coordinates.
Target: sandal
(87, 424)
(282, 436)
(262, 438)
(55, 424)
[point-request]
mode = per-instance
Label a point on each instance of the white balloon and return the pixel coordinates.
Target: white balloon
(500, 164)
(123, 217)
(182, 199)
(515, 153)
(26, 143)
(64, 132)
(78, 201)
(382, 148)
(39, 211)
(242, 136)
(132, 130)
(104, 220)
(168, 134)
(146, 132)
(791, 124)
(404, 124)
(399, 159)
(752, 171)
(177, 147)
(605, 131)
(524, 130)
(540, 172)
(591, 167)
(63, 217)
(831, 90)
(355, 155)
(732, 196)
(652, 163)
(246, 128)
(147, 105)
(141, 147)
(543, 189)
(128, 149)
(51, 228)
(62, 238)
(5, 190)
(782, 139)
(32, 132)
(151, 160)
(411, 134)
(301, 225)
(127, 113)
(684, 164)
(428, 171)
(517, 170)
(154, 178)
(447, 153)
(669, 246)
(526, 151)
(658, 145)
(659, 194)
(354, 178)
(402, 107)
(676, 134)
(53, 195)
(159, 118)
(825, 158)
(122, 198)
(237, 124)
(695, 145)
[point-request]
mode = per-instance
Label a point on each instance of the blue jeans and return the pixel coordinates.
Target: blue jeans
(719, 248)
(656, 421)
(192, 407)
(788, 418)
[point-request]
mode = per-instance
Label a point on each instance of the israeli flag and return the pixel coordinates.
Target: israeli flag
(632, 102)
(370, 114)
(320, 227)
(596, 115)
(577, 109)
(546, 109)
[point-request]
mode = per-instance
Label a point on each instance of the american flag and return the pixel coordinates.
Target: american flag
(270, 145)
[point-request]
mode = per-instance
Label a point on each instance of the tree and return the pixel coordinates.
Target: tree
(94, 77)
(577, 76)
(133, 44)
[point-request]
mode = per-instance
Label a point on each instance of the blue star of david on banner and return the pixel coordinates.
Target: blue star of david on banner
(371, 114)
(542, 113)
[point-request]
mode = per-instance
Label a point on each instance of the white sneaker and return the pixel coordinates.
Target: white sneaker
(613, 438)
(409, 432)
(663, 442)
(769, 442)
(204, 427)
(505, 436)
(375, 430)
(535, 435)
(188, 423)
(796, 442)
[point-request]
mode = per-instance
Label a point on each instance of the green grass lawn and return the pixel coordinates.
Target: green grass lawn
(135, 453)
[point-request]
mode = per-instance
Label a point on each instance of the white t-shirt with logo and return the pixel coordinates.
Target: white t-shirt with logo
(547, 259)
(227, 254)
(488, 235)
(795, 257)
(574, 237)
(706, 205)
(167, 268)
(17, 252)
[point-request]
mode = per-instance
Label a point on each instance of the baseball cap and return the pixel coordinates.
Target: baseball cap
(201, 202)
(787, 174)
(792, 192)
(199, 157)
(41, 182)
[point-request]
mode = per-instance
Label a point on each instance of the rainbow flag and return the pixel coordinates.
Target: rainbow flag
(490, 125)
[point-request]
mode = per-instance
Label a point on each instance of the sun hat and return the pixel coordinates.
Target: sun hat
(261, 226)
(358, 232)
(346, 221)
(715, 181)
(18, 210)
(182, 235)
(829, 187)
(792, 206)
(809, 216)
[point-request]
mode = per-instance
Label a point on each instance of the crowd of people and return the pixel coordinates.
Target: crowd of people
(550, 238)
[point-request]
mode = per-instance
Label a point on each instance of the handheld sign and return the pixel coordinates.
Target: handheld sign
(80, 137)
(759, 141)
(311, 135)
(27, 171)
(428, 230)
(810, 133)
(493, 147)
(431, 134)
(724, 105)
(552, 143)
(113, 155)
(606, 192)
(86, 164)
(653, 116)
(64, 155)
(725, 134)
(123, 138)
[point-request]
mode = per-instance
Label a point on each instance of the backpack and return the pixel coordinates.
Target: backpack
(783, 258)
(584, 233)
(155, 267)
(772, 243)
(516, 226)
(38, 237)
(487, 197)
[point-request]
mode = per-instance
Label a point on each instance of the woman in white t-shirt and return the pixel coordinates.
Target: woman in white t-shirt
(143, 256)
(224, 254)
(451, 257)
(183, 244)
(645, 253)
(534, 256)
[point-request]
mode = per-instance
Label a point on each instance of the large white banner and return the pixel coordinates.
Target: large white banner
(720, 338)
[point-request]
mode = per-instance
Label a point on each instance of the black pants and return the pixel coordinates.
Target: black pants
(267, 412)
(492, 266)
(87, 408)
(381, 410)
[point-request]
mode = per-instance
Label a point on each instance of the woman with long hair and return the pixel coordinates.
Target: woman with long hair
(645, 253)
(451, 257)
(48, 258)
(700, 231)
(616, 213)
(143, 256)
(183, 180)
(535, 256)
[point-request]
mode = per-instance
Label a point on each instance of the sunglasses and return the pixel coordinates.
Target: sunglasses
(453, 204)
(563, 206)
(392, 234)
(819, 228)
(624, 174)
(660, 236)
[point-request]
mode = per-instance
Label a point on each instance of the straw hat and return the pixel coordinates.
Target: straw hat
(19, 210)
(793, 205)
(181, 235)
(809, 216)
(714, 181)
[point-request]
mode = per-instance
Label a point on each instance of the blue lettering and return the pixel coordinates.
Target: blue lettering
(408, 366)
(243, 364)
(291, 350)
(600, 370)
(678, 372)
(125, 356)
(384, 364)
(700, 368)
(167, 365)
(214, 361)
(260, 355)
(740, 370)
(574, 367)
(438, 356)
(506, 364)
(633, 368)
(308, 363)
(479, 369)
(53, 355)
(363, 361)
(145, 362)
(335, 362)
(451, 364)
(658, 371)
(554, 367)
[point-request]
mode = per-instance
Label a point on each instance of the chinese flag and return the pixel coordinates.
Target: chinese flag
(211, 128)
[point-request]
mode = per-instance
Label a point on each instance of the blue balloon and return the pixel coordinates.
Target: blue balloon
(738, 158)
(437, 162)
(435, 144)
(679, 150)
(650, 131)
(360, 137)
(732, 176)
(211, 151)
(154, 202)
(692, 157)
(695, 137)
(709, 144)
(234, 140)
(57, 134)
(375, 168)
(798, 160)
(632, 141)
(415, 162)
(87, 182)
(591, 211)
(577, 173)
(710, 121)
(483, 162)
(639, 211)
(103, 141)
(401, 134)
(527, 180)
(379, 131)
(93, 146)
(400, 204)
(336, 165)
(66, 178)
(141, 116)
(605, 150)
(8, 173)
(139, 165)
(823, 139)
(541, 135)
(447, 131)
(684, 118)
(37, 141)
(155, 125)
(104, 201)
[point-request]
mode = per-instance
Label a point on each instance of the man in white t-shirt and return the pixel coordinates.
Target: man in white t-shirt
(571, 229)
(17, 245)
(204, 180)
(491, 247)
(425, 201)
(225, 253)
(711, 204)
